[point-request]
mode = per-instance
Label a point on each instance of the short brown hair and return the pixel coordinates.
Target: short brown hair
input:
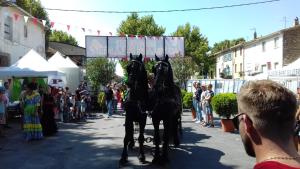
(270, 106)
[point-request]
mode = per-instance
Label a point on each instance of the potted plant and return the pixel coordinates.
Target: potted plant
(225, 105)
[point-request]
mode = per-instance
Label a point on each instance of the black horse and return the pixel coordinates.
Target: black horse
(167, 107)
(135, 105)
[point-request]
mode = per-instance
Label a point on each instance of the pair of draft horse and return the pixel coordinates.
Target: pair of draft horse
(164, 100)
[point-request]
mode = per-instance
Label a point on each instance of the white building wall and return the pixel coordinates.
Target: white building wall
(223, 63)
(20, 45)
(255, 57)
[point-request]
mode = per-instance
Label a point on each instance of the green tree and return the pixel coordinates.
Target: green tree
(196, 46)
(36, 9)
(135, 25)
(60, 36)
(100, 71)
(226, 44)
(183, 68)
(145, 25)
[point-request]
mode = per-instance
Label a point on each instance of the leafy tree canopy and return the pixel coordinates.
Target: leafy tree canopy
(196, 46)
(226, 44)
(135, 25)
(60, 36)
(100, 71)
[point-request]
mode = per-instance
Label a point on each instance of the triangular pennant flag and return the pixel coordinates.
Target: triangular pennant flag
(68, 27)
(132, 36)
(83, 29)
(35, 21)
(16, 16)
(44, 22)
(141, 36)
(98, 31)
(52, 24)
(136, 36)
(25, 19)
(110, 33)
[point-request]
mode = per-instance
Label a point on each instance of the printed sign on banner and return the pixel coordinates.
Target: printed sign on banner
(154, 45)
(117, 47)
(96, 46)
(135, 46)
(174, 46)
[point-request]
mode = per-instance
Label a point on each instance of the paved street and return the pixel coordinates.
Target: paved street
(97, 143)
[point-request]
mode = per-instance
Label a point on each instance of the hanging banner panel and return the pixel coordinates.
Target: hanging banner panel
(154, 45)
(116, 47)
(136, 46)
(121, 46)
(174, 46)
(96, 46)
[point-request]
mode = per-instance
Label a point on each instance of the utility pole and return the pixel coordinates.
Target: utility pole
(284, 19)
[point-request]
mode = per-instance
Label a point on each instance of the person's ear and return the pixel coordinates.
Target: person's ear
(251, 131)
(248, 125)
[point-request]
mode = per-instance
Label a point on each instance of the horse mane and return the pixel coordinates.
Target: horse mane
(142, 80)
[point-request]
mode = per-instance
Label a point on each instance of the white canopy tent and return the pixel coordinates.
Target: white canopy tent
(31, 65)
(67, 66)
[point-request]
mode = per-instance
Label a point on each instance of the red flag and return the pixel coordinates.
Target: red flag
(110, 33)
(140, 36)
(132, 36)
(68, 26)
(35, 21)
(16, 16)
(98, 31)
(83, 29)
(52, 24)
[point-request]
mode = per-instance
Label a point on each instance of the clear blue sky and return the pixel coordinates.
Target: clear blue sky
(216, 25)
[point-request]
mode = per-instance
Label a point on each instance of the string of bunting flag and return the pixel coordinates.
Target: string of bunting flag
(68, 27)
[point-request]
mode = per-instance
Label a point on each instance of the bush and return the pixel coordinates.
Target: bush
(188, 100)
(183, 92)
(225, 104)
(101, 100)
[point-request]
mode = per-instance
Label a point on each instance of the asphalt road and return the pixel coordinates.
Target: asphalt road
(97, 144)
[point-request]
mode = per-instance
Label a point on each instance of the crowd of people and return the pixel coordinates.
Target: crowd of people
(40, 108)
(114, 95)
(202, 104)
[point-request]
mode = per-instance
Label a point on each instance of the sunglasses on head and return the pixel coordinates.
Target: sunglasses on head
(236, 120)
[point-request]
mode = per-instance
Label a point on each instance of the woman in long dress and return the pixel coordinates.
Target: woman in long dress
(31, 103)
(48, 121)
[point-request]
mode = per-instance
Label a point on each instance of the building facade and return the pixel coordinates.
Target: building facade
(17, 36)
(260, 56)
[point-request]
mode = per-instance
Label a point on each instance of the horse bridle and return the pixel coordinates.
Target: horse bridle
(140, 69)
(164, 64)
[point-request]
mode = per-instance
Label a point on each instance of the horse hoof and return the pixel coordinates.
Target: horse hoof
(131, 145)
(164, 160)
(123, 161)
(176, 144)
(142, 158)
(156, 160)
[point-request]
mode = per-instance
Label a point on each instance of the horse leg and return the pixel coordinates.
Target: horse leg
(166, 141)
(156, 158)
(175, 131)
(142, 124)
(127, 138)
